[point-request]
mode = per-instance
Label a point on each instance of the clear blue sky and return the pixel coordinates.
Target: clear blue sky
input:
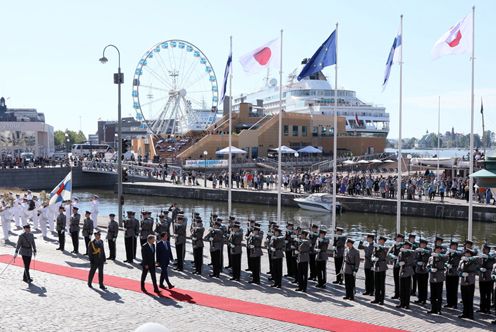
(50, 51)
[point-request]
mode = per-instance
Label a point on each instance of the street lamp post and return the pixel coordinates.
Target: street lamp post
(296, 154)
(119, 80)
(205, 153)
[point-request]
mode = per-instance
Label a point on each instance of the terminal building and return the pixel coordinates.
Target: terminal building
(24, 130)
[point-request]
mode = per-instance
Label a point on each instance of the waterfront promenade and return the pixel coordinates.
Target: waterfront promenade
(60, 301)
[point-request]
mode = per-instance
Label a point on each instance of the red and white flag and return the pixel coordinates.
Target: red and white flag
(457, 40)
(265, 56)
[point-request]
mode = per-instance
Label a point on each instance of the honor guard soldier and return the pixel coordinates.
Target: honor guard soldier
(96, 252)
(74, 229)
(197, 243)
(229, 230)
(146, 227)
(368, 250)
(225, 235)
(339, 247)
(267, 245)
(174, 211)
(493, 278)
(393, 254)
(161, 226)
(411, 238)
(180, 241)
(422, 255)
(131, 232)
(216, 239)
(303, 256)
(295, 242)
(288, 239)
(436, 267)
(351, 265)
(249, 230)
(322, 253)
(486, 262)
(313, 236)
(452, 277)
(254, 243)
(468, 269)
(112, 232)
(235, 250)
(406, 261)
(276, 247)
(26, 247)
(61, 224)
(438, 241)
(87, 230)
(379, 265)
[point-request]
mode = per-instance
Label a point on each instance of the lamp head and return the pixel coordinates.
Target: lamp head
(103, 60)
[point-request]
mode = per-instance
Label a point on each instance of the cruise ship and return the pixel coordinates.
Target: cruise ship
(315, 95)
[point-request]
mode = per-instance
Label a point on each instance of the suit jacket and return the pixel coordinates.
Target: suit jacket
(164, 253)
(61, 222)
(148, 255)
(25, 244)
(96, 252)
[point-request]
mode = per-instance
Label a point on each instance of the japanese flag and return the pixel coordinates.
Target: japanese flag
(265, 56)
(457, 40)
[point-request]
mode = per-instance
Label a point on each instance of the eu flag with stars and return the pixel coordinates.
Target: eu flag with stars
(325, 56)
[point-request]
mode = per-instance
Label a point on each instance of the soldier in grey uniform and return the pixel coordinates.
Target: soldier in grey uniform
(302, 257)
(393, 254)
(87, 230)
(276, 248)
(227, 234)
(422, 255)
(288, 239)
(268, 237)
(436, 267)
(368, 250)
(197, 243)
(406, 261)
(486, 284)
(452, 277)
(379, 261)
(254, 243)
(74, 229)
(131, 232)
(313, 236)
(174, 211)
(112, 232)
(468, 268)
(180, 241)
(26, 247)
(235, 250)
(215, 237)
(96, 251)
(351, 265)
(146, 227)
(60, 227)
(322, 251)
(339, 247)
(161, 226)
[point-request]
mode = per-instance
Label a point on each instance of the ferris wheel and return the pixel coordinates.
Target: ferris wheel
(175, 89)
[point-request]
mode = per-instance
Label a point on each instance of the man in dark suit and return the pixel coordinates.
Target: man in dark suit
(96, 253)
(164, 257)
(148, 263)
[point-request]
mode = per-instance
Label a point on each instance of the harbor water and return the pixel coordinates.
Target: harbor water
(354, 224)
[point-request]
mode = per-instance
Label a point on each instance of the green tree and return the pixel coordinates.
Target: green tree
(74, 137)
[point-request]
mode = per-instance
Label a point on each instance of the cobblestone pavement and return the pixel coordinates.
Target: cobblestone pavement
(68, 305)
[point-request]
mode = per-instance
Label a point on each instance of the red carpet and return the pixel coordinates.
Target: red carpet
(213, 301)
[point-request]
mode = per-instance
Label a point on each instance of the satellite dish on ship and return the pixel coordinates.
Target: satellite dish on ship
(272, 82)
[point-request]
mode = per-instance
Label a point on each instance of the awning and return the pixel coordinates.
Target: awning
(309, 149)
(284, 149)
(234, 150)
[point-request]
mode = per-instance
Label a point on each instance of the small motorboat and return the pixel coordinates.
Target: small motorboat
(320, 202)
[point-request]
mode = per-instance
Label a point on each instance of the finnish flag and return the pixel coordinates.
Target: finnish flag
(227, 71)
(394, 57)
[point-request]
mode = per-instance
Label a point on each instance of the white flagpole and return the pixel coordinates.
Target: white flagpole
(279, 154)
(398, 191)
(471, 170)
(438, 132)
(229, 193)
(335, 140)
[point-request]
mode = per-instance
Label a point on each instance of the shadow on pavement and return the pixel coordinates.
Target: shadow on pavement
(34, 289)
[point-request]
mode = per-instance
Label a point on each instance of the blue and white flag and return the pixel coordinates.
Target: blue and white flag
(325, 56)
(62, 191)
(227, 71)
(394, 57)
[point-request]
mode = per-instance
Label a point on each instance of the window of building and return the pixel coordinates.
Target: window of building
(323, 131)
(303, 130)
(295, 130)
(286, 130)
(315, 131)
